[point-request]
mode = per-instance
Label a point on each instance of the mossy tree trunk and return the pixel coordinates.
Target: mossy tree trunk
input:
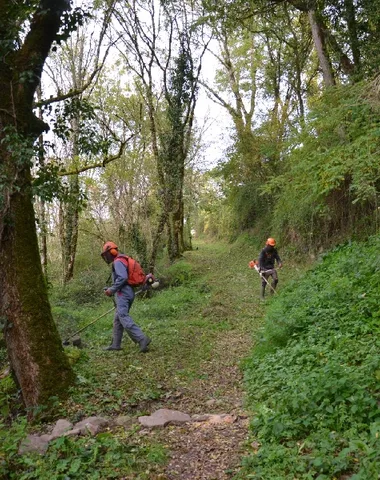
(33, 343)
(171, 115)
(34, 347)
(181, 97)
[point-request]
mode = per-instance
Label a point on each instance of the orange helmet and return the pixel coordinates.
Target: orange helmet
(110, 247)
(271, 242)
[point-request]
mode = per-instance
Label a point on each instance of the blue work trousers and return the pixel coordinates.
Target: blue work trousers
(123, 320)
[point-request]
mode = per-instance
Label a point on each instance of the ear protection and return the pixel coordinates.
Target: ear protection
(110, 251)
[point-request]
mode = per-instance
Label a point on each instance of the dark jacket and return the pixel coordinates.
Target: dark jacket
(268, 256)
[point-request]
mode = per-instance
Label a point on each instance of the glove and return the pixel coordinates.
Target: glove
(108, 292)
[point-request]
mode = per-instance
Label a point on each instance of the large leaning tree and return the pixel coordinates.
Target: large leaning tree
(27, 33)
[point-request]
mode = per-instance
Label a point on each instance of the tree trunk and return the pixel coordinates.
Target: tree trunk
(34, 347)
(43, 238)
(187, 236)
(353, 33)
(176, 229)
(320, 47)
(68, 228)
(69, 212)
(171, 240)
(33, 343)
(182, 244)
(157, 239)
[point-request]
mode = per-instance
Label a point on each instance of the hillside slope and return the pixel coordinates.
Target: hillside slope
(313, 381)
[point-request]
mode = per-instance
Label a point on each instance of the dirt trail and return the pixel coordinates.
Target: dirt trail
(208, 449)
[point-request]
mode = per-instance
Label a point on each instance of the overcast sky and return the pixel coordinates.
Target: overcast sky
(218, 121)
(212, 118)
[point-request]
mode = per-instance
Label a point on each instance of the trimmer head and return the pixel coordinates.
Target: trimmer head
(74, 341)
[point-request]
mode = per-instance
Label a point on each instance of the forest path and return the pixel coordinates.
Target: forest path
(201, 331)
(213, 449)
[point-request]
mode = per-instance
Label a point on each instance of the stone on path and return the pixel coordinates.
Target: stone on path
(225, 418)
(72, 433)
(34, 443)
(61, 427)
(123, 421)
(200, 417)
(214, 419)
(163, 417)
(91, 425)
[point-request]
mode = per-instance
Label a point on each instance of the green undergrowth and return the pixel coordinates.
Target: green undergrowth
(106, 456)
(208, 296)
(313, 380)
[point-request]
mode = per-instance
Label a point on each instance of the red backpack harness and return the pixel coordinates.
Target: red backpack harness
(136, 275)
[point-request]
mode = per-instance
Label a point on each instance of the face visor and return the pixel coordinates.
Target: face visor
(107, 256)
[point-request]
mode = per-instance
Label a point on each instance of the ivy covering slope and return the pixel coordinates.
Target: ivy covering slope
(313, 379)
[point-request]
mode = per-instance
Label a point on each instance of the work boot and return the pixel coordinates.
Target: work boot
(117, 337)
(144, 344)
(111, 347)
(262, 293)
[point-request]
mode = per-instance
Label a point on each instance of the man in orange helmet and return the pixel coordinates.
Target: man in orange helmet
(268, 257)
(124, 296)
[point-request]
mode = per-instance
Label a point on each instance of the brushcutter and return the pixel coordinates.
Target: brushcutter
(255, 265)
(151, 283)
(77, 341)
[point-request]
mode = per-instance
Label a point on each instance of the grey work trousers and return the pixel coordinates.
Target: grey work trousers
(122, 320)
(267, 274)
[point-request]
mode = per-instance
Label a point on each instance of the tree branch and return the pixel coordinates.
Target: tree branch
(79, 91)
(70, 94)
(77, 171)
(30, 59)
(219, 100)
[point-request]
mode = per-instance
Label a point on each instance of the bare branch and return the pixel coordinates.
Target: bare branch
(70, 94)
(219, 100)
(107, 160)
(78, 91)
